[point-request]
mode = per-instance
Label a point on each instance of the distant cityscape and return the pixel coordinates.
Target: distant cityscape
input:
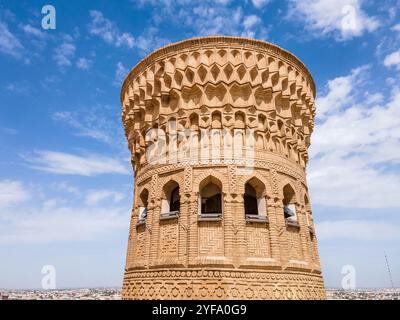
(115, 294)
(62, 294)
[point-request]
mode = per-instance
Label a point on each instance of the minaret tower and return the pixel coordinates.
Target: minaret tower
(219, 128)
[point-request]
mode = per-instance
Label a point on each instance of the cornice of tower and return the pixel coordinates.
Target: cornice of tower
(201, 42)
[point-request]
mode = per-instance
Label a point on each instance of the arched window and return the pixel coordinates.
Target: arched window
(174, 200)
(210, 200)
(289, 205)
(143, 202)
(281, 127)
(170, 203)
(250, 200)
(255, 205)
(240, 120)
(194, 121)
(216, 120)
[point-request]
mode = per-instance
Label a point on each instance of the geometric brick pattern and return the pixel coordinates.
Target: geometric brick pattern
(168, 238)
(258, 240)
(294, 244)
(226, 284)
(140, 244)
(211, 239)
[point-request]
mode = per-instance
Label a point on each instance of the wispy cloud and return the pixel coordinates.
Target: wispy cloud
(66, 187)
(32, 31)
(208, 17)
(19, 87)
(12, 192)
(72, 164)
(8, 131)
(64, 53)
(393, 60)
(342, 19)
(101, 123)
(367, 230)
(83, 63)
(120, 73)
(10, 44)
(57, 223)
(150, 40)
(260, 3)
(93, 197)
(104, 28)
(341, 91)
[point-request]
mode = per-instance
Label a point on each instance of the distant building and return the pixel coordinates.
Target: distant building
(219, 129)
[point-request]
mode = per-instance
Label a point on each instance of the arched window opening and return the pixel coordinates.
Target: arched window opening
(261, 122)
(255, 205)
(170, 203)
(250, 200)
(210, 200)
(216, 122)
(174, 200)
(281, 127)
(240, 120)
(289, 206)
(194, 121)
(143, 203)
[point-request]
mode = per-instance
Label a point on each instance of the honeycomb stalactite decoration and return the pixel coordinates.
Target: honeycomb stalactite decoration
(218, 129)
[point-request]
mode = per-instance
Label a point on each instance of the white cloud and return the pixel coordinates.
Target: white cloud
(9, 44)
(8, 131)
(93, 197)
(149, 41)
(83, 63)
(340, 92)
(19, 87)
(373, 98)
(251, 21)
(260, 3)
(393, 59)
(251, 25)
(355, 151)
(344, 19)
(99, 122)
(32, 31)
(54, 222)
(12, 192)
(106, 30)
(208, 17)
(120, 74)
(64, 53)
(357, 230)
(65, 186)
(71, 164)
(396, 27)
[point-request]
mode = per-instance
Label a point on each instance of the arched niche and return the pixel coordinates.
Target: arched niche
(254, 200)
(289, 204)
(170, 202)
(210, 204)
(143, 204)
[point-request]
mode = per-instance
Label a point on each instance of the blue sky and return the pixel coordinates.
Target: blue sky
(65, 176)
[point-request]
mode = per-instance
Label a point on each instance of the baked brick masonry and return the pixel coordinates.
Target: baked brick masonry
(219, 129)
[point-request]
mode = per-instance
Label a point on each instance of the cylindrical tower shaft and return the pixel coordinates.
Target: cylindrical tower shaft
(219, 129)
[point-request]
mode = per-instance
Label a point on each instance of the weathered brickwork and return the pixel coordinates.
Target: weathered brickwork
(258, 243)
(256, 103)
